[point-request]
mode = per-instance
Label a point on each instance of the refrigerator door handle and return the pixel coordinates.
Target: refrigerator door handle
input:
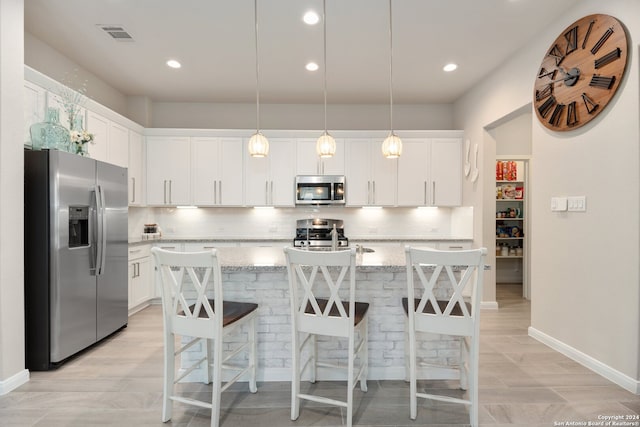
(101, 252)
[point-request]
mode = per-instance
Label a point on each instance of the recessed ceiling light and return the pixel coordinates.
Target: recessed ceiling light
(311, 18)
(450, 67)
(311, 66)
(173, 63)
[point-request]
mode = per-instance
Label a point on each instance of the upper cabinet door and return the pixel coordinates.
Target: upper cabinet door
(135, 170)
(118, 145)
(230, 172)
(446, 172)
(34, 104)
(371, 179)
(99, 127)
(269, 181)
(217, 171)
(413, 173)
(430, 172)
(168, 171)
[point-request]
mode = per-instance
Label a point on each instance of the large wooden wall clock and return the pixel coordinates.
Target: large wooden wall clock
(580, 72)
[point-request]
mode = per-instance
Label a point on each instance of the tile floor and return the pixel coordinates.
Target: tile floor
(522, 383)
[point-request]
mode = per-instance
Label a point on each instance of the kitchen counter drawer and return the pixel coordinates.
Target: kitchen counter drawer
(139, 251)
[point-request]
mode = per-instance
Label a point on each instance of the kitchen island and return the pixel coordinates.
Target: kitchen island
(259, 274)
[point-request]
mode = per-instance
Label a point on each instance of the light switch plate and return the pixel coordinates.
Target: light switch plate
(577, 203)
(558, 204)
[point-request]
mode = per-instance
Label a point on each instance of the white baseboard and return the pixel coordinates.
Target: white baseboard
(587, 361)
(14, 382)
(488, 305)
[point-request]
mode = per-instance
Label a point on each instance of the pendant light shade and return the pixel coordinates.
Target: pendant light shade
(326, 145)
(392, 145)
(258, 143)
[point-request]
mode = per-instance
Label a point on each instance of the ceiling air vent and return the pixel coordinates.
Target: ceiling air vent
(117, 32)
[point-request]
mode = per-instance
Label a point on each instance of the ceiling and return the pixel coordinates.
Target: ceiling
(215, 42)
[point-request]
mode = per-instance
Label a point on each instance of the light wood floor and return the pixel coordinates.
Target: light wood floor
(119, 382)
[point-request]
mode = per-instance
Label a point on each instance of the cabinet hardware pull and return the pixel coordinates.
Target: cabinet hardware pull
(215, 192)
(220, 192)
(433, 193)
(368, 192)
(425, 192)
(133, 189)
(170, 191)
(373, 185)
(271, 193)
(165, 191)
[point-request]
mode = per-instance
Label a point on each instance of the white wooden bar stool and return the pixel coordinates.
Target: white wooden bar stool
(317, 308)
(193, 306)
(445, 309)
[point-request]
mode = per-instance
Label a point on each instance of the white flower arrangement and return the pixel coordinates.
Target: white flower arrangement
(81, 137)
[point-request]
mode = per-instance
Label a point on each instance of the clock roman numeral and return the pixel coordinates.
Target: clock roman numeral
(602, 81)
(596, 47)
(588, 102)
(556, 54)
(544, 73)
(547, 106)
(609, 57)
(572, 116)
(556, 115)
(572, 40)
(544, 92)
(586, 36)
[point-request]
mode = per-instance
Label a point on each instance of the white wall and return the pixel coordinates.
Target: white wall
(43, 58)
(12, 372)
(584, 266)
(200, 115)
(300, 116)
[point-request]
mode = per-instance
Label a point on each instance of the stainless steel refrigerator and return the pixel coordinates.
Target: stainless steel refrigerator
(76, 248)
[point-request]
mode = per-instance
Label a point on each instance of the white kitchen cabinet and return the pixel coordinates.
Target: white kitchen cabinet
(99, 127)
(118, 147)
(370, 177)
(217, 172)
(168, 171)
(430, 172)
(140, 283)
(269, 181)
(309, 163)
(136, 151)
(34, 107)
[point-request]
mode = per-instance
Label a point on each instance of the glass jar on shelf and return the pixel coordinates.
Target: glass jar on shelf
(50, 134)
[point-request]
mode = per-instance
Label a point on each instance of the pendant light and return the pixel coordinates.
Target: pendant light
(258, 143)
(326, 145)
(392, 145)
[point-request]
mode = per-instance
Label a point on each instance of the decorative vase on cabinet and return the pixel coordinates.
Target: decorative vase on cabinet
(79, 137)
(50, 134)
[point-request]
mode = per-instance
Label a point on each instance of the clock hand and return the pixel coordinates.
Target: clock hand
(570, 78)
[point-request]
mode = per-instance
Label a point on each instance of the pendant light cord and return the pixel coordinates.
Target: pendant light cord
(255, 12)
(390, 69)
(324, 32)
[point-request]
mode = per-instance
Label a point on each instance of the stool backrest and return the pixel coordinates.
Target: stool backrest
(447, 279)
(191, 292)
(315, 276)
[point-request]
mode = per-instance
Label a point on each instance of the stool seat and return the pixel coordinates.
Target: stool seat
(232, 311)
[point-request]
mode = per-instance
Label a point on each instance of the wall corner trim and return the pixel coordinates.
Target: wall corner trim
(606, 371)
(14, 382)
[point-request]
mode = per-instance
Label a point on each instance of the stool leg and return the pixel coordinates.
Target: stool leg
(169, 376)
(295, 376)
(253, 356)
(217, 382)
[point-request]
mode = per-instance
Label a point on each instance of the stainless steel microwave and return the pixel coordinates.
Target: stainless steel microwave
(320, 190)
